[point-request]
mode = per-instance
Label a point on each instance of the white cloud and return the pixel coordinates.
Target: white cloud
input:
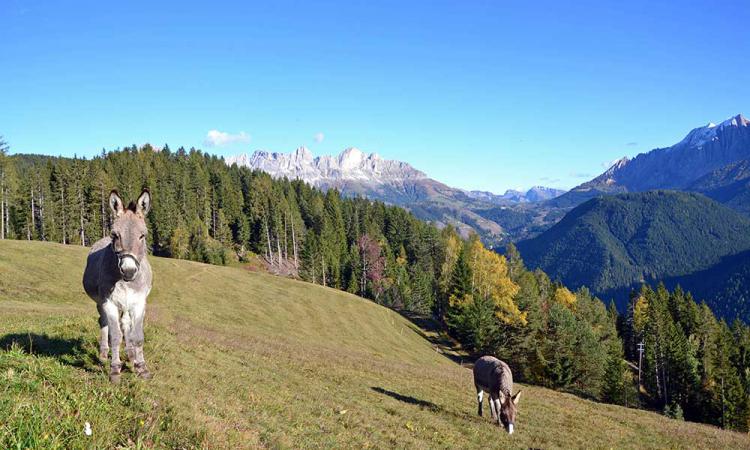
(216, 138)
(319, 137)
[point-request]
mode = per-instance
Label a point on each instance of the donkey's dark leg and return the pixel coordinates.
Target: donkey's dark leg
(103, 334)
(137, 338)
(115, 339)
(480, 394)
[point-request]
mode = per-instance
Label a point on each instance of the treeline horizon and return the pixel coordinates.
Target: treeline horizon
(207, 211)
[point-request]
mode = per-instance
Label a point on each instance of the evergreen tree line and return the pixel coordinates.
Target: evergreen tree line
(204, 210)
(692, 365)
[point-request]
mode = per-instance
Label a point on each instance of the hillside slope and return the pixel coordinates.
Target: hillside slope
(611, 244)
(245, 359)
(725, 287)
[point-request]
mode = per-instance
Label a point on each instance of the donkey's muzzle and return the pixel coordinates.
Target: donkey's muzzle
(128, 267)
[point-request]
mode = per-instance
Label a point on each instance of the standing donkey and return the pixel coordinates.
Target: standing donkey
(494, 377)
(118, 278)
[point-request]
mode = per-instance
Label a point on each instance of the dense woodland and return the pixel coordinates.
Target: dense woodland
(676, 237)
(693, 365)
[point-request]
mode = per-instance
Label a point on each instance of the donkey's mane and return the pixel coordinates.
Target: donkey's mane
(132, 206)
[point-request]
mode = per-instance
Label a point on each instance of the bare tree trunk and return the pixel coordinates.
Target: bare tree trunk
(268, 244)
(83, 231)
(286, 250)
(103, 211)
(62, 213)
(294, 246)
(81, 207)
(33, 215)
(2, 205)
(323, 260)
(656, 370)
(6, 218)
(213, 214)
(2, 210)
(278, 248)
(41, 217)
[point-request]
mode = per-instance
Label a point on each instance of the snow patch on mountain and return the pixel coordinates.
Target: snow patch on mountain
(701, 135)
(350, 165)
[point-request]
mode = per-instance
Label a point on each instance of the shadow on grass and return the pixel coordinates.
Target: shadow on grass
(69, 351)
(407, 399)
(424, 404)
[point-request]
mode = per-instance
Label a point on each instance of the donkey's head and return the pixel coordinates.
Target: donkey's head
(129, 232)
(508, 406)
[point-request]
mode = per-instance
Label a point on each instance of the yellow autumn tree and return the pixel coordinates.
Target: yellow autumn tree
(566, 298)
(453, 247)
(640, 314)
(490, 280)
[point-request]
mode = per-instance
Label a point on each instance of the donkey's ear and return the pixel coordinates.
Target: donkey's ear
(516, 398)
(143, 204)
(115, 203)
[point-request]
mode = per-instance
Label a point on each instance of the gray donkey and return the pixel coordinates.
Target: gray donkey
(118, 278)
(494, 377)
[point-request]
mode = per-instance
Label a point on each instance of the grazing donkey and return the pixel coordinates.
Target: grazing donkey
(118, 279)
(494, 377)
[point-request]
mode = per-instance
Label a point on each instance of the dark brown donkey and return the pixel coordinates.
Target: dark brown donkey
(494, 377)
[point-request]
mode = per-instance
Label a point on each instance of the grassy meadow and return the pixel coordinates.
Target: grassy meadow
(242, 359)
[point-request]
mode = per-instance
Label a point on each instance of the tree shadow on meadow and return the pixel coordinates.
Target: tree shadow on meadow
(424, 404)
(407, 399)
(69, 351)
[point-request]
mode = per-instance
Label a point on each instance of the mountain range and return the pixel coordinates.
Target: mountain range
(707, 149)
(353, 172)
(677, 214)
(623, 231)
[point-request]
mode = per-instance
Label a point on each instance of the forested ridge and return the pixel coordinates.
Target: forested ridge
(207, 211)
(612, 244)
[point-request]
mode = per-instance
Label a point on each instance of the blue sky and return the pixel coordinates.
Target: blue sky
(480, 95)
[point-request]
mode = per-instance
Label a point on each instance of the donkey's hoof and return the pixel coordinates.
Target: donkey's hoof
(142, 371)
(114, 378)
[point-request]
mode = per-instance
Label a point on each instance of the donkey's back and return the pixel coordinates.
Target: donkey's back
(493, 375)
